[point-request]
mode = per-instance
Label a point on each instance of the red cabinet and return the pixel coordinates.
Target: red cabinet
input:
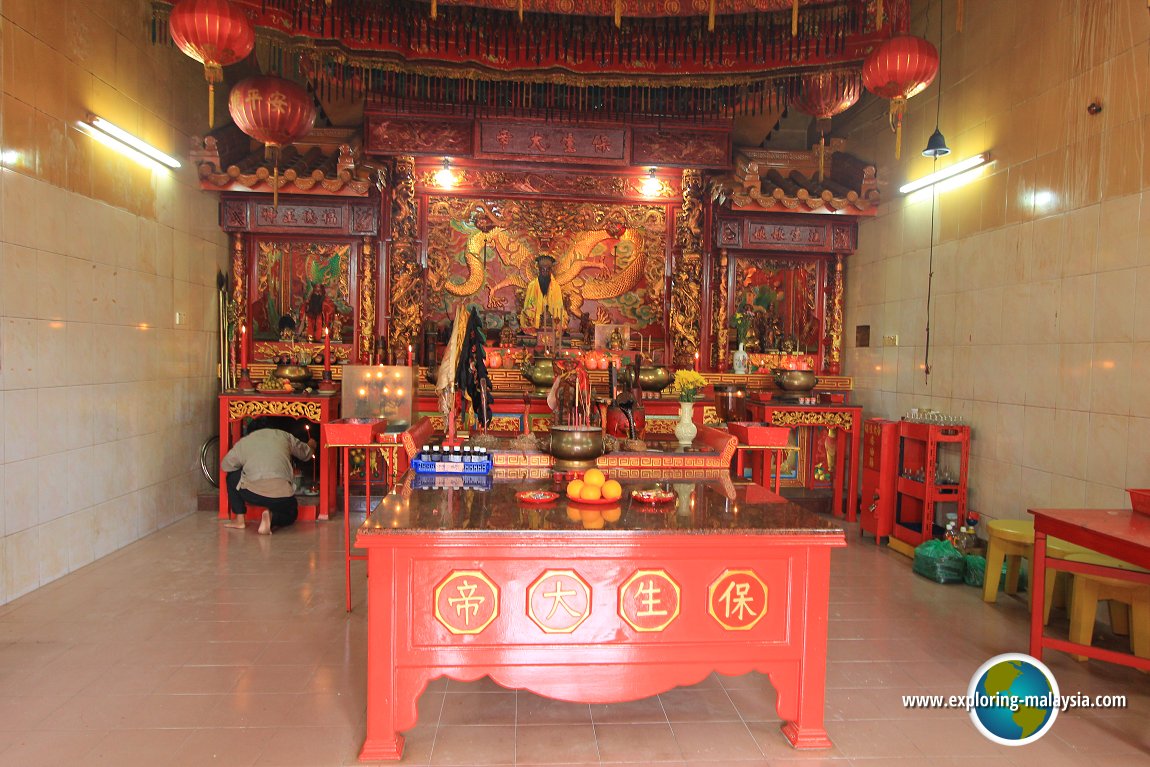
(880, 443)
(933, 462)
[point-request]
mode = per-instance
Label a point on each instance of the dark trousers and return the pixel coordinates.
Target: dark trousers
(284, 510)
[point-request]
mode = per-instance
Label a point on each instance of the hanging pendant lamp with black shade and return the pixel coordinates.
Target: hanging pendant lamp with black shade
(936, 145)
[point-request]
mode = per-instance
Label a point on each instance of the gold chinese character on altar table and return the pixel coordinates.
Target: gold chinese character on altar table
(737, 600)
(466, 601)
(558, 601)
(649, 600)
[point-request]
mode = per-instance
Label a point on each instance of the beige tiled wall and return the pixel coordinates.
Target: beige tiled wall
(104, 400)
(1040, 308)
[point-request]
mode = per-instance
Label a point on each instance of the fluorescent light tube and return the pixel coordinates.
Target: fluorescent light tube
(130, 141)
(950, 171)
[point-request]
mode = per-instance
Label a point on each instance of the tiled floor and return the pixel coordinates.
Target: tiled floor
(201, 646)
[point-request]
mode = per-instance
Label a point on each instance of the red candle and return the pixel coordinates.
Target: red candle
(326, 350)
(410, 358)
(243, 347)
(696, 361)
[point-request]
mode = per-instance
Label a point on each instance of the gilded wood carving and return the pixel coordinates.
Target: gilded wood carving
(686, 279)
(406, 281)
(253, 408)
(366, 301)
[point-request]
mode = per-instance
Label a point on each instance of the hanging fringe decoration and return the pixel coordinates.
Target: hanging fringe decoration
(434, 9)
(960, 13)
(794, 18)
(897, 112)
(878, 13)
(520, 11)
(619, 13)
(711, 16)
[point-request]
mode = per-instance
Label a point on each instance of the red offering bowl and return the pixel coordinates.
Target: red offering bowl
(652, 496)
(536, 496)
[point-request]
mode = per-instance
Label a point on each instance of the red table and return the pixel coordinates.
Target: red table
(236, 406)
(594, 604)
(1120, 533)
(843, 420)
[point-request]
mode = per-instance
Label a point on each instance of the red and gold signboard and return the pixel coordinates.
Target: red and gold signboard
(466, 601)
(649, 600)
(558, 601)
(737, 600)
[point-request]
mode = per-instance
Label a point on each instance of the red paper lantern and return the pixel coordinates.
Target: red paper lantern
(272, 110)
(823, 95)
(897, 70)
(214, 33)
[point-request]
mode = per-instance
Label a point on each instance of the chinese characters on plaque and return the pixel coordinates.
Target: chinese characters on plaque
(559, 601)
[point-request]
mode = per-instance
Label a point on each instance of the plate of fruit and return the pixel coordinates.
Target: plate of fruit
(536, 496)
(654, 495)
(594, 489)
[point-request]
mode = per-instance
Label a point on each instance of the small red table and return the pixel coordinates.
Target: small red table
(594, 604)
(235, 406)
(1119, 533)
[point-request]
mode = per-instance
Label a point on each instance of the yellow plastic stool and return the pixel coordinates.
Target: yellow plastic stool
(1014, 538)
(1090, 589)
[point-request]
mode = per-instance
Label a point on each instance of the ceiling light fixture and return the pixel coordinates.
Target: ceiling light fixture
(445, 177)
(936, 145)
(119, 139)
(951, 171)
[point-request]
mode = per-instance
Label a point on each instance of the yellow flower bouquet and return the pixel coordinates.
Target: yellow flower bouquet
(688, 383)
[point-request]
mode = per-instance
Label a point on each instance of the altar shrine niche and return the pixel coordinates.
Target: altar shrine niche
(300, 289)
(609, 260)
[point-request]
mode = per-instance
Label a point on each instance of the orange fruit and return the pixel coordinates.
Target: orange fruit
(612, 490)
(612, 513)
(573, 488)
(573, 514)
(590, 493)
(594, 477)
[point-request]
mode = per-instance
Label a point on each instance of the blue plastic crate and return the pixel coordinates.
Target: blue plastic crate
(423, 466)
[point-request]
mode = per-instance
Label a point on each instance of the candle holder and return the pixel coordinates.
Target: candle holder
(326, 384)
(245, 383)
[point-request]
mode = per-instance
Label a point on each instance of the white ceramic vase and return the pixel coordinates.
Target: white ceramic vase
(739, 360)
(685, 428)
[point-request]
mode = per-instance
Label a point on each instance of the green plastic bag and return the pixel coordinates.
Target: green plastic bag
(939, 561)
(975, 573)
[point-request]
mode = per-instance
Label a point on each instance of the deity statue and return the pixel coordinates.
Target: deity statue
(319, 310)
(543, 296)
(509, 330)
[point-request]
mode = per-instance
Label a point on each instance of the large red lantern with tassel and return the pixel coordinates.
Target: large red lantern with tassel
(272, 110)
(897, 70)
(214, 33)
(823, 95)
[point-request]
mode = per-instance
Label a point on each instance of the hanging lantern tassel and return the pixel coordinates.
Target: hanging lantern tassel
(521, 12)
(960, 13)
(434, 9)
(878, 12)
(794, 17)
(275, 176)
(711, 16)
(213, 73)
(897, 111)
(822, 156)
(619, 13)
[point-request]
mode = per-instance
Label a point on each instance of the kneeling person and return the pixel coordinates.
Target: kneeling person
(259, 472)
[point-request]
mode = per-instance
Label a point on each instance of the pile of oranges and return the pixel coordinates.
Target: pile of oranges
(594, 486)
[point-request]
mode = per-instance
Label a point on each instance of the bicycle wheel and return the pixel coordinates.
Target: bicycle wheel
(210, 460)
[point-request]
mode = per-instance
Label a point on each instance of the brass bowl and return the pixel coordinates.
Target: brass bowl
(794, 380)
(654, 378)
(297, 374)
(575, 447)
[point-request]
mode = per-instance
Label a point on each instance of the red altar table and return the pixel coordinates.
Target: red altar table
(1120, 533)
(236, 406)
(594, 604)
(844, 420)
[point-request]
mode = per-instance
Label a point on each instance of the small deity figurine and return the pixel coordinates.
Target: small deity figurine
(287, 328)
(337, 329)
(509, 330)
(586, 327)
(615, 342)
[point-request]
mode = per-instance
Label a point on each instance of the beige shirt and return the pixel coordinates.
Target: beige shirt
(265, 458)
